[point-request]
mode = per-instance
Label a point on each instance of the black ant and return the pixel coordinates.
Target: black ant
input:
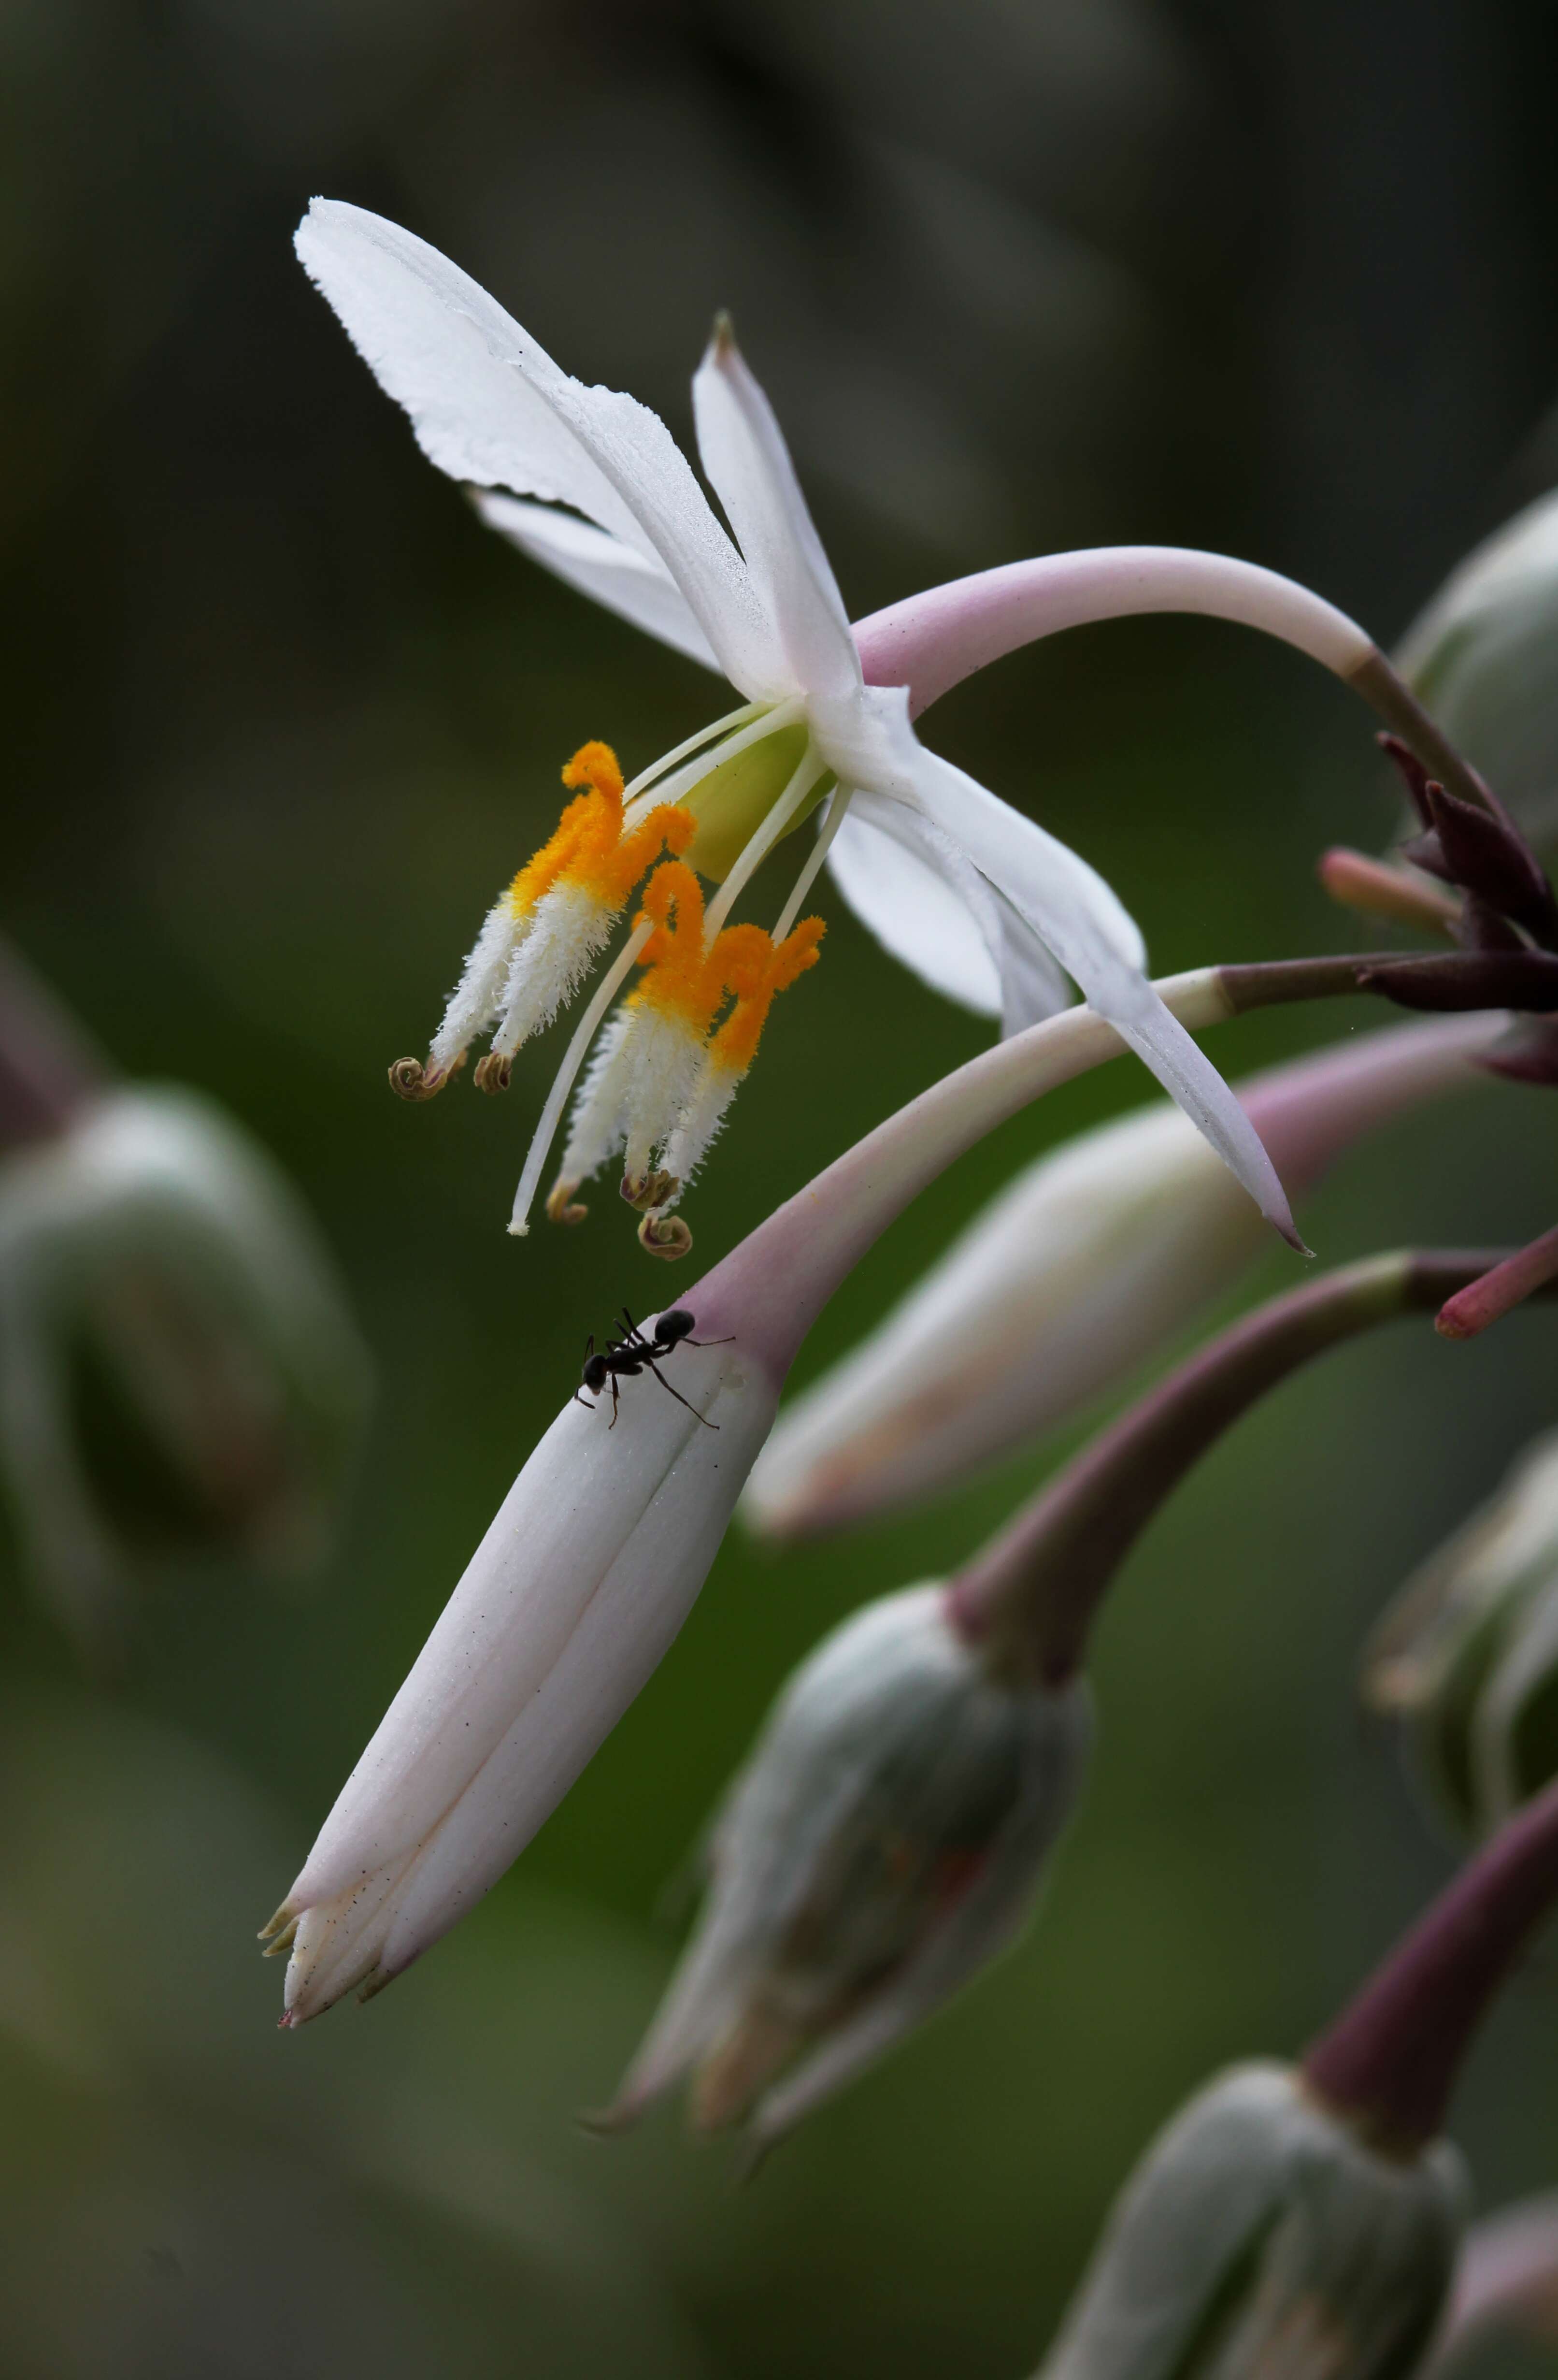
(624, 1358)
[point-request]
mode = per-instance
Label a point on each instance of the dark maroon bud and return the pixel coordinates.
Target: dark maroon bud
(1527, 1053)
(1426, 851)
(1525, 979)
(1413, 774)
(1487, 853)
(1479, 928)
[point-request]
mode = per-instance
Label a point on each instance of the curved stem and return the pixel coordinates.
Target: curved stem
(1390, 2060)
(1033, 1593)
(931, 641)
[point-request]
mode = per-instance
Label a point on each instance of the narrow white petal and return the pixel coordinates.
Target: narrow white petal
(489, 406)
(927, 903)
(637, 586)
(749, 466)
(1075, 914)
(912, 908)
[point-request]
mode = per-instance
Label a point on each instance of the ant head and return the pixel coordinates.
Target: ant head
(674, 1325)
(595, 1374)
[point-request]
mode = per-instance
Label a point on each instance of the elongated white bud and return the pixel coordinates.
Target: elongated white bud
(1085, 1264)
(571, 1599)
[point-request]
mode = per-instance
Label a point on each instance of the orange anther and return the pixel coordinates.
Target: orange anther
(763, 974)
(588, 848)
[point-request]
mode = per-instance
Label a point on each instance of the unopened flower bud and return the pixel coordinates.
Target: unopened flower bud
(882, 1845)
(152, 1248)
(1481, 656)
(1468, 1654)
(1262, 2234)
(1090, 1259)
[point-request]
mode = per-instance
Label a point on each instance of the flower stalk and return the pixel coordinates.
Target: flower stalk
(931, 641)
(1390, 2060)
(1037, 1586)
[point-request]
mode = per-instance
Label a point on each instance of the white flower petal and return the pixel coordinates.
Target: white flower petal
(749, 466)
(1068, 905)
(915, 913)
(929, 906)
(637, 586)
(488, 405)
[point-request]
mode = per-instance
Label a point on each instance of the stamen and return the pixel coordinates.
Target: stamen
(572, 892)
(692, 772)
(734, 1047)
(806, 775)
(704, 735)
(838, 802)
(573, 1058)
(648, 1062)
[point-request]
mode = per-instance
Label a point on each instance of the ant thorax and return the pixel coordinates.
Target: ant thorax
(633, 1352)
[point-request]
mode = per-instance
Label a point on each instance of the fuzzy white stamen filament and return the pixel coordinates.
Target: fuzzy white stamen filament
(557, 1097)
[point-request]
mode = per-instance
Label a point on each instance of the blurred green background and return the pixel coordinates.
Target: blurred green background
(1277, 277)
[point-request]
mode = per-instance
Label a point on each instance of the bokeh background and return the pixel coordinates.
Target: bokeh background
(1274, 275)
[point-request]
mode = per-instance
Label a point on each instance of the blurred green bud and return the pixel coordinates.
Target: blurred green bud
(1263, 2235)
(178, 1364)
(883, 1844)
(1467, 1655)
(1481, 656)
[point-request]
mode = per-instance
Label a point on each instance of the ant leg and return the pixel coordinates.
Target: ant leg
(729, 1341)
(612, 1423)
(650, 1364)
(579, 1398)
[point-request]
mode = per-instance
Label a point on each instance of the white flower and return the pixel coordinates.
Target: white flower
(982, 901)
(1261, 2234)
(153, 1237)
(882, 1845)
(1072, 1276)
(590, 1567)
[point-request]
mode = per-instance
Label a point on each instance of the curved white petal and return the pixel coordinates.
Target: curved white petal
(636, 586)
(749, 466)
(1069, 905)
(915, 914)
(488, 405)
(927, 904)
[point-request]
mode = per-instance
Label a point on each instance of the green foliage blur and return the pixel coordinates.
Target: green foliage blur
(1018, 273)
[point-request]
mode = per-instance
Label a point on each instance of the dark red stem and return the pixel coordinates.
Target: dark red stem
(1390, 2060)
(1035, 1590)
